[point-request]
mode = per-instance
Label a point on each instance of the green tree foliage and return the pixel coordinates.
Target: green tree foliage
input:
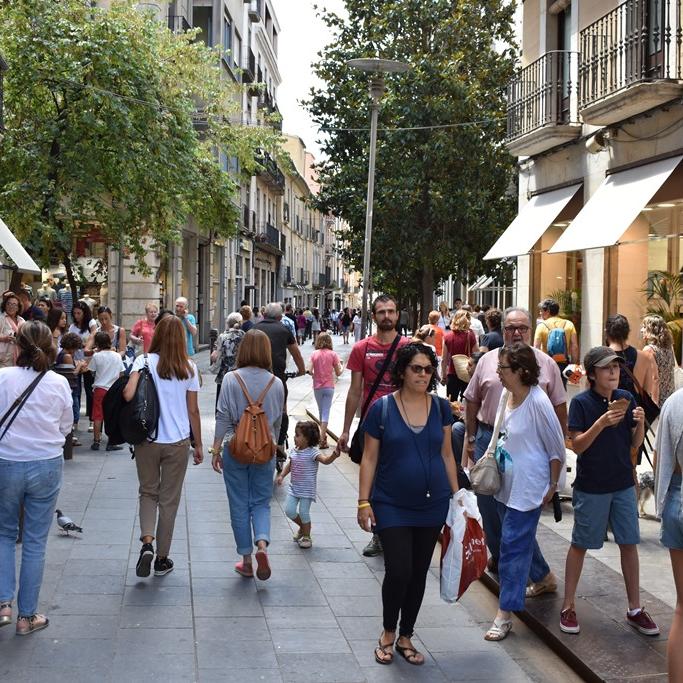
(442, 194)
(99, 134)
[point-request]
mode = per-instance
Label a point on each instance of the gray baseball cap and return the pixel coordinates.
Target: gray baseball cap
(600, 357)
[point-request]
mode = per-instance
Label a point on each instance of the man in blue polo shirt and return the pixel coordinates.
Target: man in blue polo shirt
(604, 425)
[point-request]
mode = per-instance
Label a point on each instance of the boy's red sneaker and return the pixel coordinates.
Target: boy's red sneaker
(568, 621)
(642, 621)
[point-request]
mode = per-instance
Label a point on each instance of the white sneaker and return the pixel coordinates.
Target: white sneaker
(91, 427)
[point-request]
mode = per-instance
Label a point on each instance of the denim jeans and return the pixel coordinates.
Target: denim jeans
(250, 489)
(517, 546)
(458, 440)
(76, 398)
(303, 505)
(36, 484)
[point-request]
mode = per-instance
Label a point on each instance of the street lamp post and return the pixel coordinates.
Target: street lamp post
(377, 68)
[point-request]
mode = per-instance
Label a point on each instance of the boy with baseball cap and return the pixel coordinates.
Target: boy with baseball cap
(604, 425)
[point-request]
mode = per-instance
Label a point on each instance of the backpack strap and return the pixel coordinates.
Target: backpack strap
(262, 396)
(385, 410)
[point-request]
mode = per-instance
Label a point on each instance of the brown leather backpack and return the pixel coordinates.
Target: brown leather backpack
(253, 442)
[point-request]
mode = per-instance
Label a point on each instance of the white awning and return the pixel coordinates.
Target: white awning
(12, 247)
(482, 283)
(614, 206)
(531, 222)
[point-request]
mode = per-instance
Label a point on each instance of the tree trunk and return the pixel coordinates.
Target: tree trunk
(68, 267)
(15, 282)
(427, 291)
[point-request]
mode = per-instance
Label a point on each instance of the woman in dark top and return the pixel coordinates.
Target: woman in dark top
(407, 476)
(617, 330)
(494, 338)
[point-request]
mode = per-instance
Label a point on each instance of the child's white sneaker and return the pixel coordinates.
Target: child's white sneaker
(305, 542)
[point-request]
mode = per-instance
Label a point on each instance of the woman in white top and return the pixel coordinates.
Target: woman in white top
(31, 441)
(116, 334)
(161, 464)
(249, 486)
(444, 321)
(530, 457)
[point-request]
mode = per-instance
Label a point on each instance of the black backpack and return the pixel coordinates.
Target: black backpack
(139, 417)
(112, 405)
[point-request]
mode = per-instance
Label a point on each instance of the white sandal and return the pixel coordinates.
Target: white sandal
(499, 630)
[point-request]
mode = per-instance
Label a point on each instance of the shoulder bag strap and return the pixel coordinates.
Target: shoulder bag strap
(240, 381)
(499, 419)
(378, 379)
(636, 383)
(19, 404)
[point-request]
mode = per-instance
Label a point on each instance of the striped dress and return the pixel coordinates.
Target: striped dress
(304, 472)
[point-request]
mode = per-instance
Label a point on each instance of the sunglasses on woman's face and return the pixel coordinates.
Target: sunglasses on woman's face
(420, 369)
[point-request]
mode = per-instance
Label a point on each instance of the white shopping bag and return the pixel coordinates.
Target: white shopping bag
(463, 549)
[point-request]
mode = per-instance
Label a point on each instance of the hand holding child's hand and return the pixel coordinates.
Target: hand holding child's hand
(279, 480)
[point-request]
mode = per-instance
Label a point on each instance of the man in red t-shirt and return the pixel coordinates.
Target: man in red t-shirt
(366, 360)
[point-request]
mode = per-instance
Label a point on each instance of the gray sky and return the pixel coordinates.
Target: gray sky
(302, 37)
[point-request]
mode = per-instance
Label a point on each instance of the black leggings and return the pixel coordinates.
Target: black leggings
(88, 381)
(408, 552)
(455, 387)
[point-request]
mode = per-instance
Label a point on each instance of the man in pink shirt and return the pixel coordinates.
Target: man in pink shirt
(366, 360)
(482, 397)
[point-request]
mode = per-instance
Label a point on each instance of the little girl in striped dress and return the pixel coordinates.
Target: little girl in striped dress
(303, 465)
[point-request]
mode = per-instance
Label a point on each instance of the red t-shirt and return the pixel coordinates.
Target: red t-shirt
(144, 329)
(458, 341)
(368, 356)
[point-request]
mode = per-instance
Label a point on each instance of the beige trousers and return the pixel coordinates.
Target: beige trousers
(161, 472)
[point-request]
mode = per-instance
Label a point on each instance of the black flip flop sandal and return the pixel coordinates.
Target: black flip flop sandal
(383, 649)
(409, 653)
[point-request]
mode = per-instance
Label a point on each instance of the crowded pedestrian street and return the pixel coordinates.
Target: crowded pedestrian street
(315, 619)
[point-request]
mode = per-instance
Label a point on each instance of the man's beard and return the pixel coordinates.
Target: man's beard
(386, 325)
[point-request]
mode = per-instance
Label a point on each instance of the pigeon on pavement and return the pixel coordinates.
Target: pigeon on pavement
(66, 523)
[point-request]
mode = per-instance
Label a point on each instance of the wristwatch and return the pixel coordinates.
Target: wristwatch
(471, 439)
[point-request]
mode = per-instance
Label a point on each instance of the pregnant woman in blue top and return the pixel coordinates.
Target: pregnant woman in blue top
(406, 479)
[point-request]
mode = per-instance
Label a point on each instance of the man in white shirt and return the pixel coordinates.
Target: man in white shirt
(475, 323)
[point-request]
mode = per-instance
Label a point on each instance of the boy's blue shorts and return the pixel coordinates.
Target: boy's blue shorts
(593, 512)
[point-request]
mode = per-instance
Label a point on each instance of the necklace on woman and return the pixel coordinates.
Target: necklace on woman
(427, 469)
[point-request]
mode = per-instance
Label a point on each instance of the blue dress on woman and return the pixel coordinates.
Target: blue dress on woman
(411, 487)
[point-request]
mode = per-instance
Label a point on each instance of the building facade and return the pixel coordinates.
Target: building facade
(595, 117)
(283, 249)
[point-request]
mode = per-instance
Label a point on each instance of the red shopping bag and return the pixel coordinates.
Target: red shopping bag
(463, 547)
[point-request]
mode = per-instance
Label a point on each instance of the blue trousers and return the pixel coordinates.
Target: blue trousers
(36, 484)
(298, 507)
(250, 489)
(517, 545)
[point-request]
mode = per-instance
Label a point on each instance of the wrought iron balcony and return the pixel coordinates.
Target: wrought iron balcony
(631, 60)
(249, 67)
(541, 111)
(268, 238)
(270, 172)
(178, 23)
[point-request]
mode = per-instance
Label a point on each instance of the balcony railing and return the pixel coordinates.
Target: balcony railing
(638, 41)
(272, 235)
(249, 67)
(541, 94)
(178, 23)
(304, 277)
(270, 172)
(248, 219)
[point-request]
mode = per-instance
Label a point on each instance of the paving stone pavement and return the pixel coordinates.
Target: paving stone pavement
(316, 619)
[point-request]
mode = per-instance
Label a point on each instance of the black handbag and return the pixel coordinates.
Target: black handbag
(139, 419)
(356, 446)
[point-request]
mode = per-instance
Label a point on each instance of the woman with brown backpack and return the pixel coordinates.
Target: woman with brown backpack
(248, 416)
